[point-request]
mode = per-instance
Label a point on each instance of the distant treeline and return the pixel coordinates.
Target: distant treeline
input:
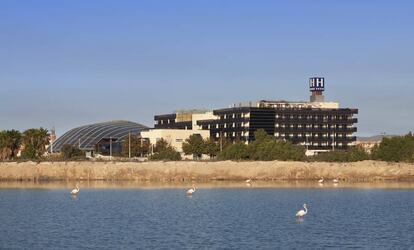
(267, 148)
(394, 149)
(32, 144)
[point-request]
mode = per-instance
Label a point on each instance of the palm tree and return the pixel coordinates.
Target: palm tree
(10, 142)
(35, 142)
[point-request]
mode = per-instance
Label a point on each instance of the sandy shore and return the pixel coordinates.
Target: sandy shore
(365, 171)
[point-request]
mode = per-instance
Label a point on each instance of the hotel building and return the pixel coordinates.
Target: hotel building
(318, 125)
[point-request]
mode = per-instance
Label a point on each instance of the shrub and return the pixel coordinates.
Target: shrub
(194, 145)
(164, 151)
(397, 149)
(168, 154)
(267, 148)
(236, 151)
(69, 152)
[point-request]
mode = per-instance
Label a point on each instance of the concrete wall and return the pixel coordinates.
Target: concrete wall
(175, 137)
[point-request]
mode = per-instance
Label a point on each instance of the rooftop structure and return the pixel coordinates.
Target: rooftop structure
(87, 137)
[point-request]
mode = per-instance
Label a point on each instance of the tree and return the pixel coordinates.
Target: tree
(194, 145)
(69, 152)
(164, 151)
(267, 148)
(211, 148)
(397, 149)
(139, 146)
(161, 145)
(35, 142)
(169, 154)
(236, 151)
(10, 143)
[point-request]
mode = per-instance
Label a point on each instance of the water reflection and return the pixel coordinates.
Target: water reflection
(299, 220)
(202, 185)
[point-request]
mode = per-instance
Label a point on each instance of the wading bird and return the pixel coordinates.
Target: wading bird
(302, 212)
(248, 180)
(191, 191)
(335, 181)
(321, 180)
(75, 191)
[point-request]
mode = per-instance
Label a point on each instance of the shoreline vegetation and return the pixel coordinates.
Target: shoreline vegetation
(202, 171)
(264, 159)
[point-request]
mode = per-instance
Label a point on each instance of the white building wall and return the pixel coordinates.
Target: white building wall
(202, 116)
(175, 137)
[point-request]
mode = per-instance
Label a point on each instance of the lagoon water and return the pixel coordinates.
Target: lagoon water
(214, 218)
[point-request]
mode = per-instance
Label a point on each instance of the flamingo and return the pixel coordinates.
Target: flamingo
(191, 191)
(321, 180)
(75, 191)
(302, 212)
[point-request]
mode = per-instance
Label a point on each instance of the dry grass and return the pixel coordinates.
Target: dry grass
(204, 171)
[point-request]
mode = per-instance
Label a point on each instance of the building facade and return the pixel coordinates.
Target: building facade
(174, 137)
(317, 125)
(316, 129)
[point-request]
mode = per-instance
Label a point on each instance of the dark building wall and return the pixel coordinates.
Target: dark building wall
(319, 129)
(261, 118)
(330, 128)
(169, 122)
(232, 124)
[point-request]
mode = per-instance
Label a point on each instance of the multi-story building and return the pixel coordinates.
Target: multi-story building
(318, 125)
(176, 128)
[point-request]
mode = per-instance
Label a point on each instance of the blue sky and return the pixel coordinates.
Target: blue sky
(69, 63)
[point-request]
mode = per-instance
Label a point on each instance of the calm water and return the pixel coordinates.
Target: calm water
(214, 218)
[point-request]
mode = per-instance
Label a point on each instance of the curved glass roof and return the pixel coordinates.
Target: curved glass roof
(86, 137)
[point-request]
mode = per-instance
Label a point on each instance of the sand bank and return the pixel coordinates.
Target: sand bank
(205, 171)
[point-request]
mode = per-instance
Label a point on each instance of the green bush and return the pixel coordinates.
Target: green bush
(168, 154)
(263, 148)
(236, 151)
(397, 149)
(164, 152)
(70, 152)
(194, 145)
(267, 148)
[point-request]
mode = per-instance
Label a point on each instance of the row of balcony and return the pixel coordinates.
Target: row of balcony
(316, 130)
(319, 139)
(313, 120)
